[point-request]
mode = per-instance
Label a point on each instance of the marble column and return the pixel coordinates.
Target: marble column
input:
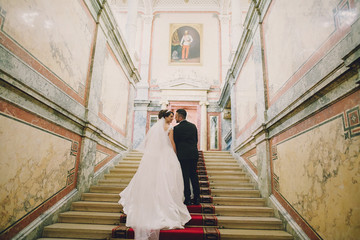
(131, 25)
(140, 118)
(203, 130)
(261, 135)
(233, 112)
(225, 44)
(143, 86)
(263, 165)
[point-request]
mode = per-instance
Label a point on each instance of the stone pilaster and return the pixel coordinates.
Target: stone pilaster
(263, 164)
(236, 24)
(203, 131)
(140, 118)
(131, 25)
(225, 44)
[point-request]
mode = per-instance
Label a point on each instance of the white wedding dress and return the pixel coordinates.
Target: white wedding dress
(153, 200)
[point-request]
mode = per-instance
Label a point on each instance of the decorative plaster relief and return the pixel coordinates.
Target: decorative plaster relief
(100, 156)
(251, 159)
(103, 156)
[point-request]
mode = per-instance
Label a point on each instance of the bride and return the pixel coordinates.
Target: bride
(153, 200)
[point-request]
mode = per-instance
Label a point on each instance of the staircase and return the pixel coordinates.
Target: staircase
(231, 206)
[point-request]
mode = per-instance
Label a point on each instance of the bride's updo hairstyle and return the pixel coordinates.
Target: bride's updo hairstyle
(164, 113)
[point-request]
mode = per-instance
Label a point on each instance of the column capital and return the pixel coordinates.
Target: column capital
(224, 18)
(164, 104)
(204, 103)
(147, 18)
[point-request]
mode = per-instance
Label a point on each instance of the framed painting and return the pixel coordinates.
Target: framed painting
(185, 43)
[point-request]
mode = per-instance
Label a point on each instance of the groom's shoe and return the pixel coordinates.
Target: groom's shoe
(196, 201)
(187, 202)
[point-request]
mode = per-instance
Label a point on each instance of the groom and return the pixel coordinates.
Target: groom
(186, 139)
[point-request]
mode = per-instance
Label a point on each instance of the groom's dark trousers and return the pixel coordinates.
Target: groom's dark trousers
(186, 139)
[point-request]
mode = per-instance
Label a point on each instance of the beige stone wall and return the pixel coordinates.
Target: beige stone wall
(64, 74)
(318, 173)
(35, 165)
(295, 77)
(287, 34)
(114, 93)
(245, 94)
(47, 32)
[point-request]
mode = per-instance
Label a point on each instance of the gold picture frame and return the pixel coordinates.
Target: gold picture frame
(185, 44)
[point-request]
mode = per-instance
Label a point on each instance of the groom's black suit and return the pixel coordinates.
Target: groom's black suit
(186, 139)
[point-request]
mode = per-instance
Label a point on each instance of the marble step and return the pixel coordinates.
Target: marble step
(90, 217)
(240, 211)
(111, 182)
(215, 165)
(247, 234)
(244, 211)
(242, 186)
(97, 231)
(227, 178)
(233, 176)
(269, 223)
(234, 193)
(124, 170)
(226, 173)
(102, 217)
(210, 166)
(114, 181)
(106, 189)
(214, 192)
(119, 175)
(219, 160)
(72, 230)
(230, 183)
(218, 156)
(134, 156)
(216, 153)
(126, 167)
(101, 231)
(210, 173)
(223, 221)
(131, 159)
(127, 163)
(118, 178)
(101, 197)
(237, 201)
(87, 206)
(213, 185)
(224, 168)
(135, 153)
(225, 201)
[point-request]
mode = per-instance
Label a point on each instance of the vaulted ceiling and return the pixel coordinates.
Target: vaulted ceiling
(150, 6)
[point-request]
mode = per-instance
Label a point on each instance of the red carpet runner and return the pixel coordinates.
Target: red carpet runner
(203, 223)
